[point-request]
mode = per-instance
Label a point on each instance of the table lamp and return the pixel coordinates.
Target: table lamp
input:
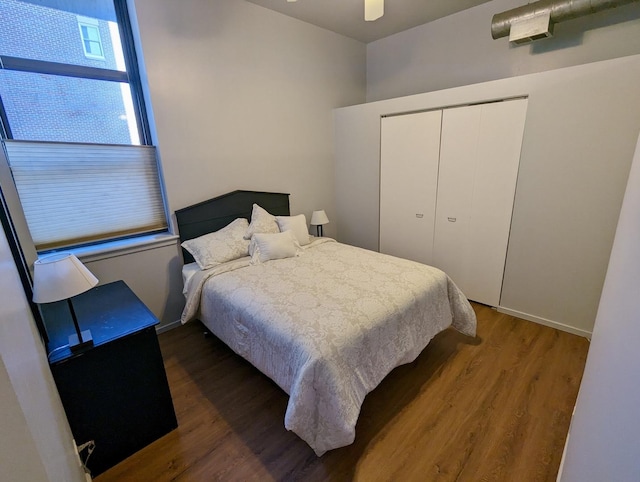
(62, 276)
(318, 218)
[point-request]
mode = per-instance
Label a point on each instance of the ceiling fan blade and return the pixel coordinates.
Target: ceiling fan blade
(373, 9)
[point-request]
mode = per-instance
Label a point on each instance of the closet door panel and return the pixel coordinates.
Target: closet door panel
(456, 180)
(497, 160)
(409, 154)
(479, 159)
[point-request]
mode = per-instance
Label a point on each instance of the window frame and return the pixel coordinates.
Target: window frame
(90, 23)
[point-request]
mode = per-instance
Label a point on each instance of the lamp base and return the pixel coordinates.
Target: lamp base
(76, 345)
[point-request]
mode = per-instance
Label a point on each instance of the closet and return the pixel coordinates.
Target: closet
(447, 185)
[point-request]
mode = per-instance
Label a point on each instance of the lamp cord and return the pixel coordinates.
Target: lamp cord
(55, 350)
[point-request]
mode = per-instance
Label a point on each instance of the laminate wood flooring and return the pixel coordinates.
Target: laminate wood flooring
(493, 408)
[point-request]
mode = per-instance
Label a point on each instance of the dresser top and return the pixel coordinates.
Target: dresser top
(110, 311)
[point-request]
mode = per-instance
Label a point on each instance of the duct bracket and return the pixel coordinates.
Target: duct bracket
(532, 27)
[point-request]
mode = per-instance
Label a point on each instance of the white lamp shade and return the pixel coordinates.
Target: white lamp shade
(318, 218)
(373, 10)
(60, 276)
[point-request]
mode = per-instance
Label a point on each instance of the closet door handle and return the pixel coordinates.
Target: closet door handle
(452, 220)
(419, 216)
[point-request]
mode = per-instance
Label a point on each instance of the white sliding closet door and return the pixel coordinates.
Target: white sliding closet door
(409, 153)
(479, 159)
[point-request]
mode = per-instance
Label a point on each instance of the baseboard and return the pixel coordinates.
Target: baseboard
(168, 326)
(564, 454)
(544, 321)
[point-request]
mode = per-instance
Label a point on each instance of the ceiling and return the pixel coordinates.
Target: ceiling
(346, 17)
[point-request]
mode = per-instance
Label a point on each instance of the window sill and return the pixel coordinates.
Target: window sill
(122, 247)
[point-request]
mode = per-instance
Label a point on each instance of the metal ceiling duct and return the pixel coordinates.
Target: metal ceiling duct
(556, 10)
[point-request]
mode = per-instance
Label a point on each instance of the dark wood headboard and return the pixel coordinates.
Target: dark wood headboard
(213, 214)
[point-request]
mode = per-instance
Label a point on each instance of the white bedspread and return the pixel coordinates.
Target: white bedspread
(327, 326)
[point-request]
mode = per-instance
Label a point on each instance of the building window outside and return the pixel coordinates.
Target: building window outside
(64, 94)
(90, 36)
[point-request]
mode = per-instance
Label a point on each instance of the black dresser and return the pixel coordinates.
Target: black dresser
(116, 392)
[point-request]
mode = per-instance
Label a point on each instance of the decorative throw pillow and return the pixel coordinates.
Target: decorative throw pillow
(220, 246)
(268, 246)
(261, 222)
(297, 224)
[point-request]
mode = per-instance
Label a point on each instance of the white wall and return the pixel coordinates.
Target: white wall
(458, 50)
(580, 133)
(243, 99)
(603, 438)
(35, 439)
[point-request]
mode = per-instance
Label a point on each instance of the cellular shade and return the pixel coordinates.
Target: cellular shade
(78, 193)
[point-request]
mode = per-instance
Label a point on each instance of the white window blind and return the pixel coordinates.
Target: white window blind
(80, 193)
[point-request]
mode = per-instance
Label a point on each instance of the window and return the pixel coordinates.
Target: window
(73, 123)
(90, 35)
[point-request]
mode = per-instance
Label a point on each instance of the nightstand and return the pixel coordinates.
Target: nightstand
(116, 392)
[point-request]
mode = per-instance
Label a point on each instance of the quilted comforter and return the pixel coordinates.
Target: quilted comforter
(327, 326)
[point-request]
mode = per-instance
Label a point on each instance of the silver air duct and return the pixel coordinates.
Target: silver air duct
(536, 20)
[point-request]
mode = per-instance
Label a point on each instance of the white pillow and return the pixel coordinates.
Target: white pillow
(267, 246)
(261, 222)
(297, 224)
(220, 246)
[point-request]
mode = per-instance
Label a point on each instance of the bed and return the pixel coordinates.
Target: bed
(326, 324)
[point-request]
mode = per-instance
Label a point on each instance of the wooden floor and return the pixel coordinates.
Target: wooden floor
(487, 409)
